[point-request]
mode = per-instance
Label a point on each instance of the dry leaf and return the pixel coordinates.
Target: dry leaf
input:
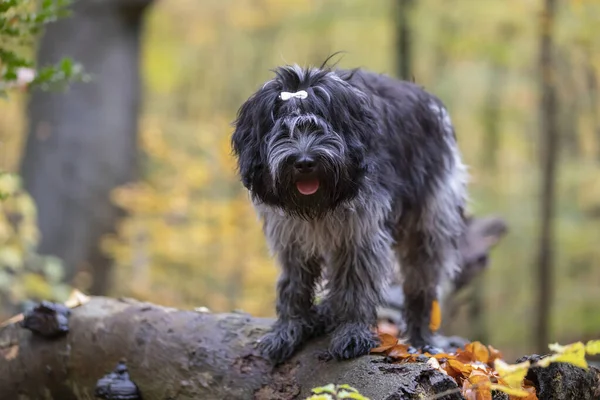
(457, 369)
(433, 363)
(10, 352)
(494, 354)
(387, 342)
(12, 320)
(573, 354)
(512, 374)
(592, 347)
(399, 351)
(477, 387)
(479, 352)
(435, 321)
(76, 299)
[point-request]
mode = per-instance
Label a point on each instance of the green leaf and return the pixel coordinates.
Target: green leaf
(325, 389)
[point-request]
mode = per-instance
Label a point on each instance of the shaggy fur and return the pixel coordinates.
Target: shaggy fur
(391, 190)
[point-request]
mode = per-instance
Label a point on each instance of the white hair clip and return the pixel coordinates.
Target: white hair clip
(288, 95)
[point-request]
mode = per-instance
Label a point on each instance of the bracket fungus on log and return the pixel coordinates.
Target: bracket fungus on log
(117, 385)
(47, 319)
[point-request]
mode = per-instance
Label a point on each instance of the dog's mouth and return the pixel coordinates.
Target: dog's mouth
(307, 187)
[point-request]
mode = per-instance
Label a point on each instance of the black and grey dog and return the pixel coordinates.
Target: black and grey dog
(352, 174)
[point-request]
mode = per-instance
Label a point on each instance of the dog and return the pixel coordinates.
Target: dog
(351, 173)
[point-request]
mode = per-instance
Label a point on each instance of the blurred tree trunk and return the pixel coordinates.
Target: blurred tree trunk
(549, 158)
(404, 59)
(569, 99)
(82, 143)
(491, 116)
(592, 86)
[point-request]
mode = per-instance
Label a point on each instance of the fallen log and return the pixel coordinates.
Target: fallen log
(174, 354)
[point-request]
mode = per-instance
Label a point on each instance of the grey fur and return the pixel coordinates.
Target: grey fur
(392, 197)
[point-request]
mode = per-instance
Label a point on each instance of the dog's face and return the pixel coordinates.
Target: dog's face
(302, 140)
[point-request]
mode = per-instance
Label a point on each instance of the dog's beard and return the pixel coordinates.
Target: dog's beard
(311, 195)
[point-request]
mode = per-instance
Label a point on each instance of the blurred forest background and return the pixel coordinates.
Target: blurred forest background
(190, 237)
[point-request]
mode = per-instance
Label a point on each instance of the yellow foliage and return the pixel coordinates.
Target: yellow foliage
(592, 347)
(191, 237)
(24, 275)
(573, 354)
(513, 374)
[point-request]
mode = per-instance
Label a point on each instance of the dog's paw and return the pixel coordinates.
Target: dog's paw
(281, 343)
(352, 340)
(435, 343)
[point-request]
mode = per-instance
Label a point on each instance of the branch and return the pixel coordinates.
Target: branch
(173, 354)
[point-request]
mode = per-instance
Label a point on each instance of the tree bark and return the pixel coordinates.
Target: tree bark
(404, 56)
(548, 155)
(177, 355)
(82, 143)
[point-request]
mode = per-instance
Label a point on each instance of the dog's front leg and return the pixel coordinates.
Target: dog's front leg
(357, 276)
(296, 317)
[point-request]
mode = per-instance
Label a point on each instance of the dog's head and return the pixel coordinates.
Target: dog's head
(302, 140)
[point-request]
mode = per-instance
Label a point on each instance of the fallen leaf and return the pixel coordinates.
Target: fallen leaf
(76, 299)
(479, 352)
(457, 369)
(433, 363)
(512, 374)
(573, 354)
(477, 387)
(10, 352)
(494, 354)
(12, 320)
(399, 351)
(387, 342)
(592, 347)
(435, 320)
(325, 389)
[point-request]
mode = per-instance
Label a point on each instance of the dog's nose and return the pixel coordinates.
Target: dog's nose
(305, 164)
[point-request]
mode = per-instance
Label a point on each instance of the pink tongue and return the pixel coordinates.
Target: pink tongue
(308, 187)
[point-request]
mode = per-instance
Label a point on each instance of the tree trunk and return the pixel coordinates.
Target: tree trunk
(549, 158)
(82, 143)
(491, 116)
(592, 85)
(180, 355)
(569, 101)
(404, 40)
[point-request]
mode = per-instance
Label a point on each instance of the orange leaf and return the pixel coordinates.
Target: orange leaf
(387, 342)
(457, 369)
(494, 353)
(477, 387)
(399, 351)
(435, 320)
(527, 388)
(479, 351)
(464, 356)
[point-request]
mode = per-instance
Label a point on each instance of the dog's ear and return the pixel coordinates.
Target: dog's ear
(254, 121)
(353, 115)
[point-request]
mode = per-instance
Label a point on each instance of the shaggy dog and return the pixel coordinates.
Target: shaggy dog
(352, 173)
